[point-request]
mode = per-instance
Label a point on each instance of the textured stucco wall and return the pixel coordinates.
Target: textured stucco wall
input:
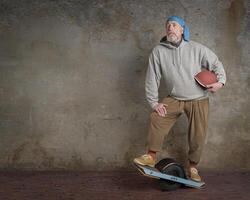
(72, 81)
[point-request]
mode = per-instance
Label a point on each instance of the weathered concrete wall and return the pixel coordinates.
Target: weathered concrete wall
(72, 81)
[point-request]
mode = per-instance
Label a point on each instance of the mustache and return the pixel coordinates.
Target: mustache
(171, 32)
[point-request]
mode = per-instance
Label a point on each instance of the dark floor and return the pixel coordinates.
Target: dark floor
(116, 185)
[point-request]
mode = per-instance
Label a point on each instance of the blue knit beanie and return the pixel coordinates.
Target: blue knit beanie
(181, 21)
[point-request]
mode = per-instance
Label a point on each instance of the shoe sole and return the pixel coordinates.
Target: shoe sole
(139, 163)
(195, 180)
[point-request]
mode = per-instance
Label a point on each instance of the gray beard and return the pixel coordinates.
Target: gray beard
(173, 39)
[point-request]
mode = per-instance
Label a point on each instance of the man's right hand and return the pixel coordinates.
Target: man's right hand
(161, 109)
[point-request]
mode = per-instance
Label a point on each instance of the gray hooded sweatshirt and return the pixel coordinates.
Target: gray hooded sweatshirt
(178, 65)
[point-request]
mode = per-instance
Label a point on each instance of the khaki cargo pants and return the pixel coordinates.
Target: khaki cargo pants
(197, 114)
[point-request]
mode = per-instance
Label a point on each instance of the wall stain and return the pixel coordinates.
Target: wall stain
(30, 154)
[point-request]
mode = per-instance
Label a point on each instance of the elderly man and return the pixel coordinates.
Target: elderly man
(177, 60)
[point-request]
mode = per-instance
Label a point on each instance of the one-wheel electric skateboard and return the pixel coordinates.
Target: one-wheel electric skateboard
(171, 175)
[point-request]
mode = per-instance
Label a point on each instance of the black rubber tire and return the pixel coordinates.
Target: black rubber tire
(170, 167)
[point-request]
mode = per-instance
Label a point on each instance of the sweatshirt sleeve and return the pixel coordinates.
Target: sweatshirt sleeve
(212, 63)
(152, 81)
